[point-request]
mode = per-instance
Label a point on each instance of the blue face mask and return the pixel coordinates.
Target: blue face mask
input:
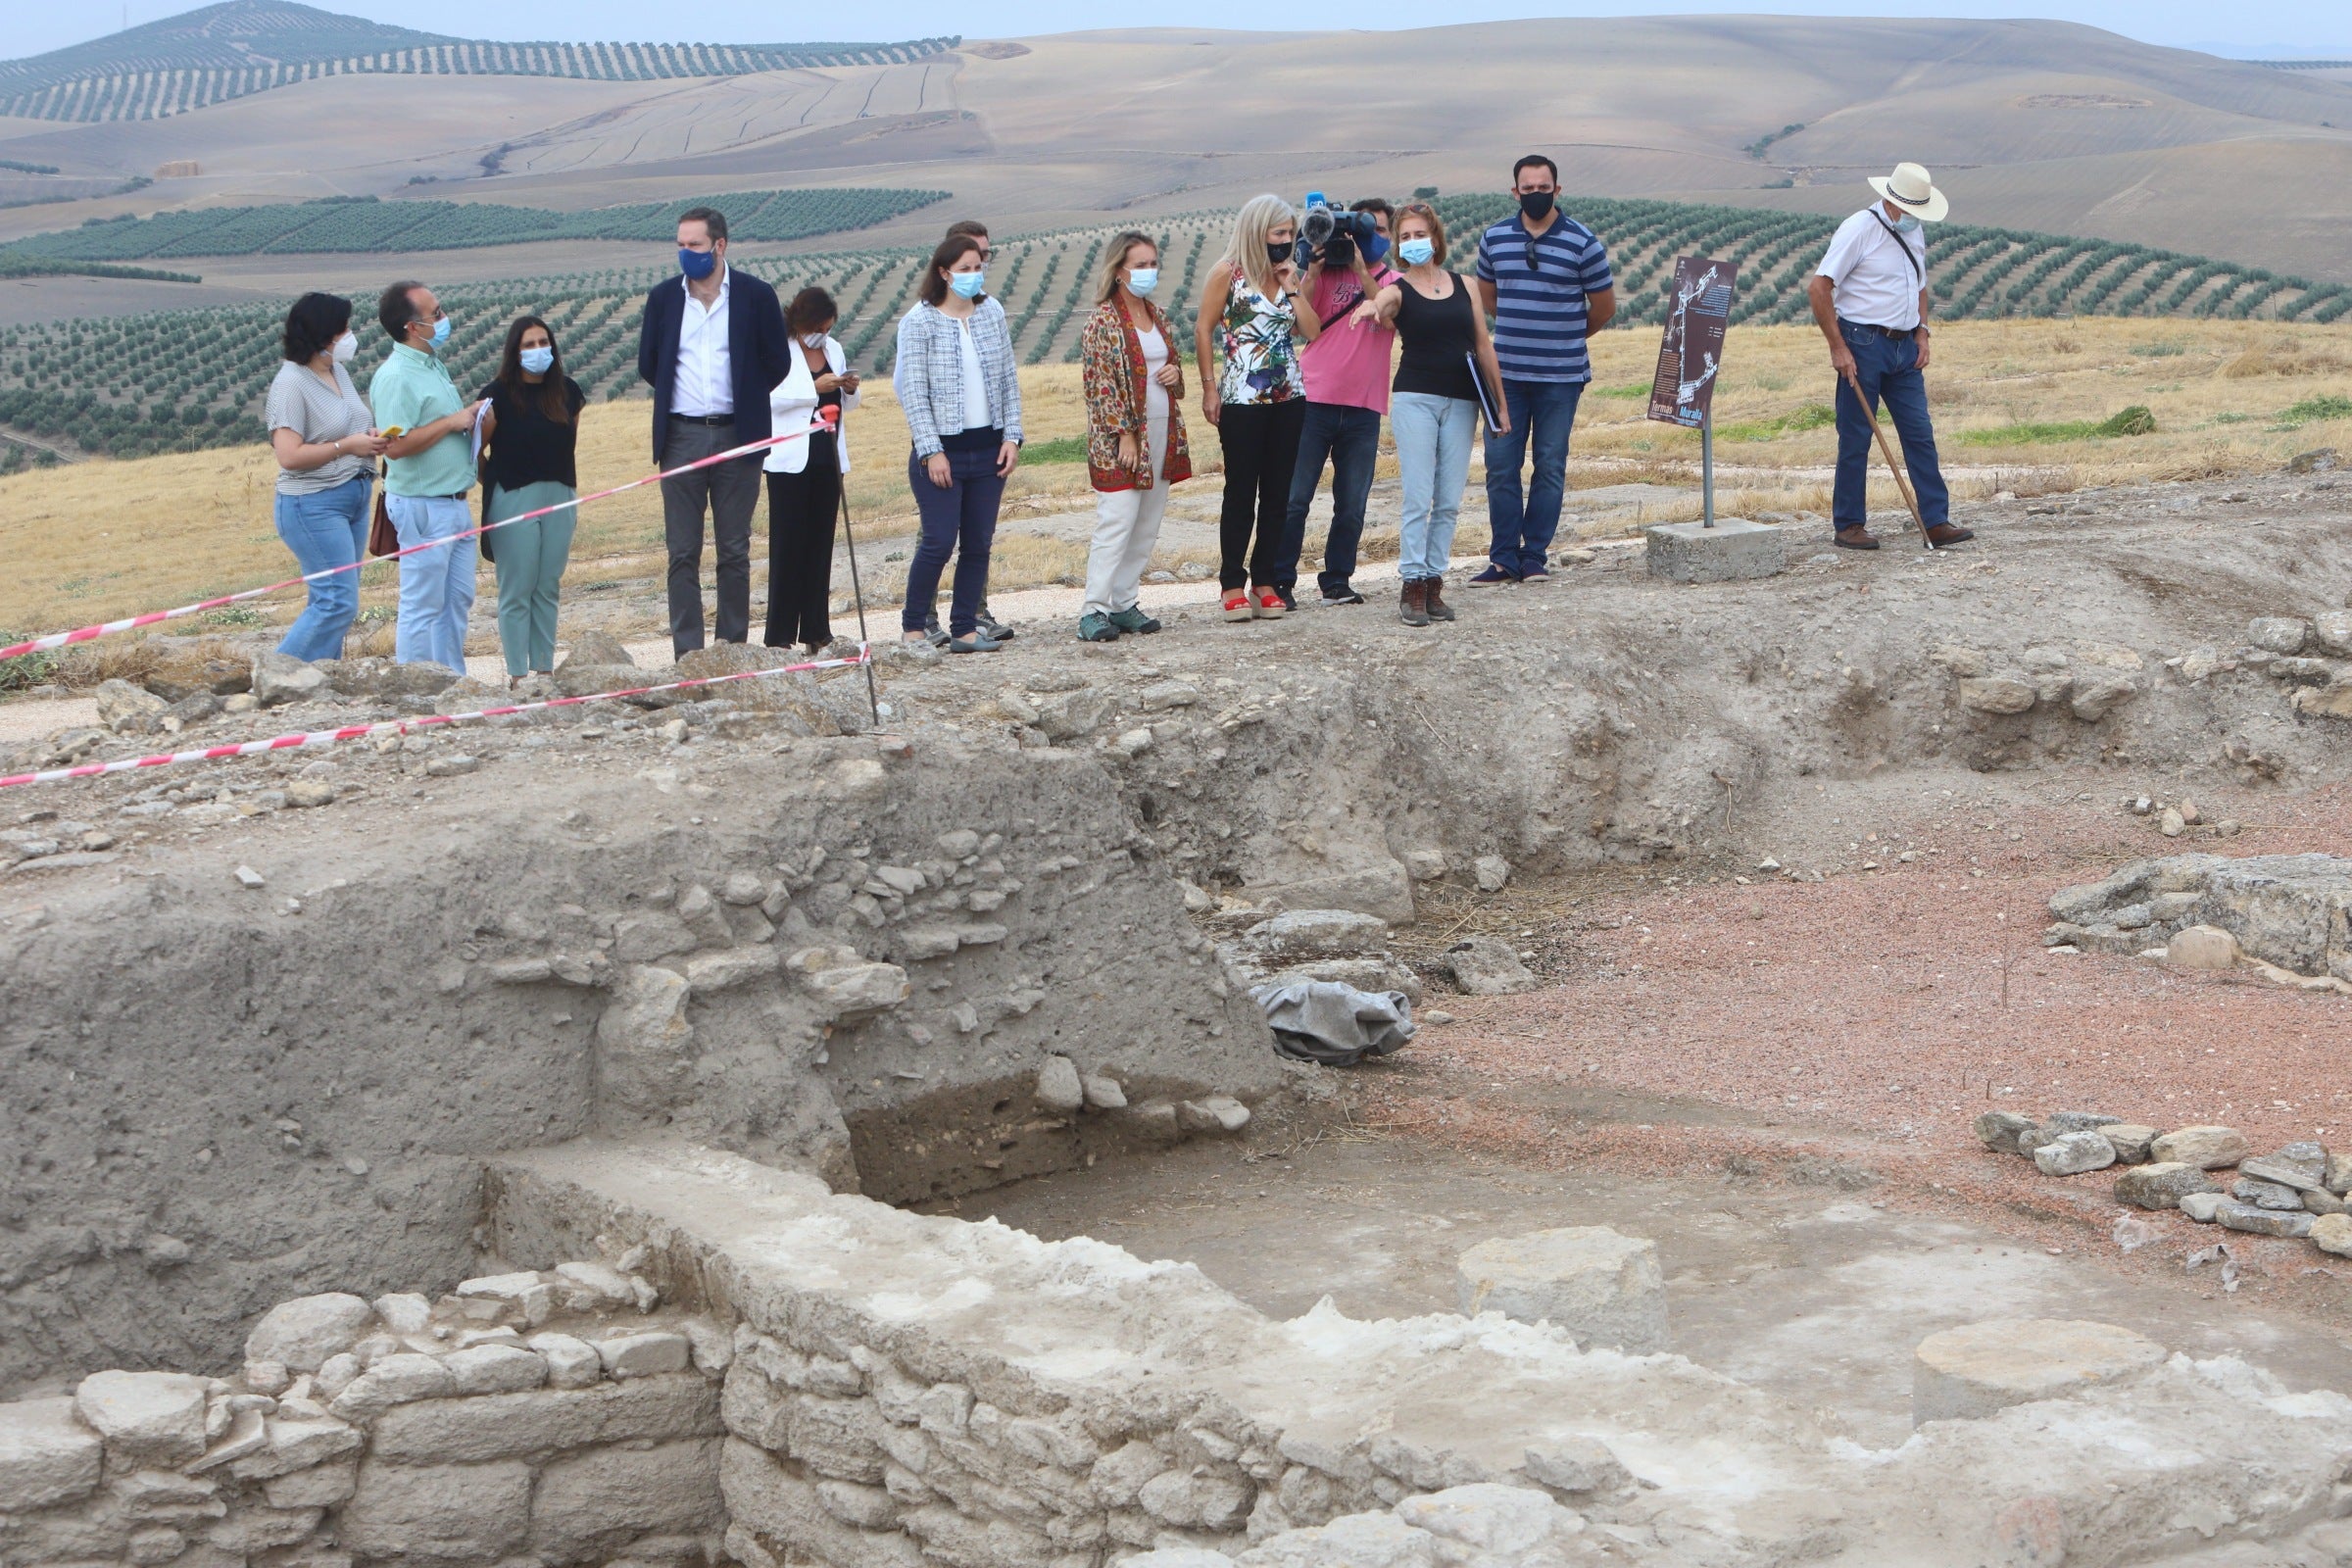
(968, 284)
(1142, 279)
(538, 361)
(1906, 225)
(697, 264)
(1375, 249)
(1416, 251)
(440, 333)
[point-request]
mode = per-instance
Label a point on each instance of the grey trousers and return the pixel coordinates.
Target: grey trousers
(730, 493)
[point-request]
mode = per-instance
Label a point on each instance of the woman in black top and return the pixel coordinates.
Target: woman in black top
(530, 439)
(805, 476)
(1434, 403)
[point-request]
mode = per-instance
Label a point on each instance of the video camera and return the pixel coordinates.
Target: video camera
(1331, 231)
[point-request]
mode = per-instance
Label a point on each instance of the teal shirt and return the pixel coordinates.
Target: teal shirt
(412, 389)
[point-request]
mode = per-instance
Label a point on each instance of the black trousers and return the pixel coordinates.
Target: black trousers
(803, 510)
(1262, 449)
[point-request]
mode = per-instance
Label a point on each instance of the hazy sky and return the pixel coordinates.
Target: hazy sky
(2262, 29)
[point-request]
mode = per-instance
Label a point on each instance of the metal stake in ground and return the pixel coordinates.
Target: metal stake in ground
(1902, 482)
(873, 695)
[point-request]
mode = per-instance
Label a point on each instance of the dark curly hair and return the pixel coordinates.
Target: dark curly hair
(313, 323)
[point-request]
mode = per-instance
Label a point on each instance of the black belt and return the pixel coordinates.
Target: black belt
(454, 494)
(1897, 332)
(702, 418)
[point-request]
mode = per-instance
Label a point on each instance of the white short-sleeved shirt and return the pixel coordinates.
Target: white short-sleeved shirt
(1874, 284)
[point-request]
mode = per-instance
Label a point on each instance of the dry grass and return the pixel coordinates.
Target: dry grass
(104, 539)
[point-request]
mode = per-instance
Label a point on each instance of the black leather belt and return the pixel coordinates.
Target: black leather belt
(702, 418)
(1897, 332)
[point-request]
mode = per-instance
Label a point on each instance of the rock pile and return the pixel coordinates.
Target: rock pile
(2291, 911)
(2297, 1191)
(2313, 654)
(2088, 680)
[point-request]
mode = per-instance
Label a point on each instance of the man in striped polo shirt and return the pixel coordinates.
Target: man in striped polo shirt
(1544, 278)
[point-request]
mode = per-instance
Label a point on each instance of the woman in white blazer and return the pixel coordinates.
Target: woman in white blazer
(805, 476)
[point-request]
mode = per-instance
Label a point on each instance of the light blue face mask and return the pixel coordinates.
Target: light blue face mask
(440, 334)
(968, 284)
(1417, 251)
(1142, 279)
(1906, 225)
(538, 361)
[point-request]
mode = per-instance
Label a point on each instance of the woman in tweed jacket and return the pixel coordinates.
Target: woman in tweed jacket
(1135, 447)
(956, 381)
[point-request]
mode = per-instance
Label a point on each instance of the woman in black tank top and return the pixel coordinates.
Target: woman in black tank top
(1434, 403)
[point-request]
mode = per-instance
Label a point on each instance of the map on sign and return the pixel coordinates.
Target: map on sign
(1697, 317)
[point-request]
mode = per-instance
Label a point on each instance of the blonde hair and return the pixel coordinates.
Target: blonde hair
(1114, 262)
(1437, 229)
(1246, 252)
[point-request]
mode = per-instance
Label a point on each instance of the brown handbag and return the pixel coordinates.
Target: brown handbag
(383, 538)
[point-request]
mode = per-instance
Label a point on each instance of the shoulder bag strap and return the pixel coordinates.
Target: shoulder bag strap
(1900, 244)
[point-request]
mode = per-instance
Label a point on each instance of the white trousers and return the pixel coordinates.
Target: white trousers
(1126, 528)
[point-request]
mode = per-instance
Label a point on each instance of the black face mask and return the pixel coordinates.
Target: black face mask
(1536, 204)
(1282, 252)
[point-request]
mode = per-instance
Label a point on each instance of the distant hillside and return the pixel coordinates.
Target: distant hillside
(242, 47)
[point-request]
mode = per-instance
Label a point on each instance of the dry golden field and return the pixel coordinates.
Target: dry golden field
(2015, 401)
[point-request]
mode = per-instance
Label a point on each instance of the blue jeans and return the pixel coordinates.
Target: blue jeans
(436, 586)
(961, 522)
(1350, 437)
(1544, 412)
(324, 530)
(1889, 370)
(1433, 464)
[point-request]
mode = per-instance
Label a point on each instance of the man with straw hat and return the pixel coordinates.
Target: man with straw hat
(1870, 295)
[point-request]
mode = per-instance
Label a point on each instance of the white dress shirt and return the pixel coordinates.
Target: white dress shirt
(1873, 283)
(705, 384)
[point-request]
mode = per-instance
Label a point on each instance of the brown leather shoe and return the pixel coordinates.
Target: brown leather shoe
(1413, 605)
(1950, 533)
(1434, 588)
(1857, 537)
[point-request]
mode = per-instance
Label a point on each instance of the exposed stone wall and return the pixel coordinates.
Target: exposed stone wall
(2290, 910)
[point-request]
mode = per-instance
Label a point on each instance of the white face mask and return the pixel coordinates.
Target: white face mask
(347, 347)
(814, 340)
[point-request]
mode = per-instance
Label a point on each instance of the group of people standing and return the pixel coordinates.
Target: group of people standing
(1300, 351)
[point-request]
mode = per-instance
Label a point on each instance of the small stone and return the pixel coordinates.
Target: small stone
(495, 1369)
(1981, 1368)
(1491, 871)
(123, 707)
(2161, 1186)
(2206, 1147)
(2079, 1121)
(2189, 813)
(1601, 1287)
(268, 1377)
(603, 1280)
(722, 972)
(2072, 1153)
(598, 647)
(394, 1380)
(2172, 823)
(571, 1362)
(1133, 741)
(1228, 1115)
(637, 1356)
(1060, 1087)
(248, 877)
(2302, 1167)
(2265, 1195)
(405, 1312)
(1576, 1465)
(1197, 900)
(2324, 1202)
(2278, 634)
(450, 766)
(1103, 1092)
(280, 678)
(2131, 1141)
(1487, 967)
(2265, 1221)
(1998, 1130)
(2332, 1233)
(743, 890)
(2334, 629)
(2202, 947)
(337, 1373)
(2203, 1207)
(2098, 696)
(310, 792)
(1996, 694)
(303, 1333)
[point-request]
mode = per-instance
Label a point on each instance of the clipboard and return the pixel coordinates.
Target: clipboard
(481, 412)
(1485, 397)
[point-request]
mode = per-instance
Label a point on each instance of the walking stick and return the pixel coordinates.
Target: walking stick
(1886, 448)
(873, 696)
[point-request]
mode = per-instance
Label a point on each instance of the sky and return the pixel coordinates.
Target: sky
(2271, 29)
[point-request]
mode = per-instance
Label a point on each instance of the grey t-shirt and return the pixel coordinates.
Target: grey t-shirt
(302, 403)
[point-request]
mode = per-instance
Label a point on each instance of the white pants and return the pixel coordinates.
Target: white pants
(1126, 528)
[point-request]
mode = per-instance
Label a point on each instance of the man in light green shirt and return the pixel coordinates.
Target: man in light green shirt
(428, 471)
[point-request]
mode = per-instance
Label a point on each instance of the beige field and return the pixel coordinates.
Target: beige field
(104, 539)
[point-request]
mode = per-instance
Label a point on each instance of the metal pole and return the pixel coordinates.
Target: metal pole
(1706, 461)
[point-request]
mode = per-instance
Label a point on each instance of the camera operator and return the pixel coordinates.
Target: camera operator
(1347, 370)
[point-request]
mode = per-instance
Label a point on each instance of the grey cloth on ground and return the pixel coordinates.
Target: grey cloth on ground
(731, 493)
(1335, 1024)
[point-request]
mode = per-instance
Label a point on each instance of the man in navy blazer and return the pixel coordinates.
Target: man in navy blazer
(712, 347)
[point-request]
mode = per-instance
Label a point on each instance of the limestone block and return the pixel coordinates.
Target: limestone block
(637, 1356)
(1178, 1558)
(2203, 1207)
(2265, 1195)
(2332, 1233)
(1119, 1477)
(504, 1426)
(1357, 1541)
(1059, 1087)
(2302, 1167)
(2280, 634)
(571, 1362)
(125, 706)
(2161, 1185)
(1576, 1465)
(248, 1433)
(842, 1440)
(1201, 1499)
(1998, 1130)
(592, 1502)
(843, 984)
(1320, 933)
(46, 1456)
(2131, 1141)
(495, 1369)
(866, 1507)
(2254, 1221)
(303, 1333)
(2325, 701)
(2098, 696)
(603, 1279)
(723, 971)
(321, 1487)
(1996, 694)
(1732, 551)
(777, 1504)
(403, 1313)
(1487, 967)
(145, 1417)
(1602, 1288)
(651, 937)
(2072, 1153)
(2202, 947)
(449, 1512)
(1973, 1371)
(279, 678)
(291, 1446)
(1495, 1521)
(976, 1539)
(1103, 1092)
(641, 1040)
(2206, 1147)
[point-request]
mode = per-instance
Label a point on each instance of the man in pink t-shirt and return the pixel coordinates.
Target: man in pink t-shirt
(1348, 372)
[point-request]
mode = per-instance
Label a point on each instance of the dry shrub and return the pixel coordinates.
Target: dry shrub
(2214, 460)
(2285, 359)
(87, 664)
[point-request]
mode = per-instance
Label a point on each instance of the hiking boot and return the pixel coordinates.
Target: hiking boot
(1858, 537)
(934, 631)
(991, 625)
(1435, 603)
(1950, 533)
(1268, 603)
(1494, 576)
(1095, 627)
(1412, 606)
(1237, 604)
(1343, 594)
(1133, 620)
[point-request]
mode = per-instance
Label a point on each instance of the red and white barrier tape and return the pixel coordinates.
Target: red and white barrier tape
(85, 634)
(401, 726)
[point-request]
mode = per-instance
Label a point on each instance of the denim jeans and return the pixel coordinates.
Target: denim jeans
(436, 586)
(1889, 370)
(1542, 412)
(326, 528)
(1433, 464)
(1350, 437)
(960, 520)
